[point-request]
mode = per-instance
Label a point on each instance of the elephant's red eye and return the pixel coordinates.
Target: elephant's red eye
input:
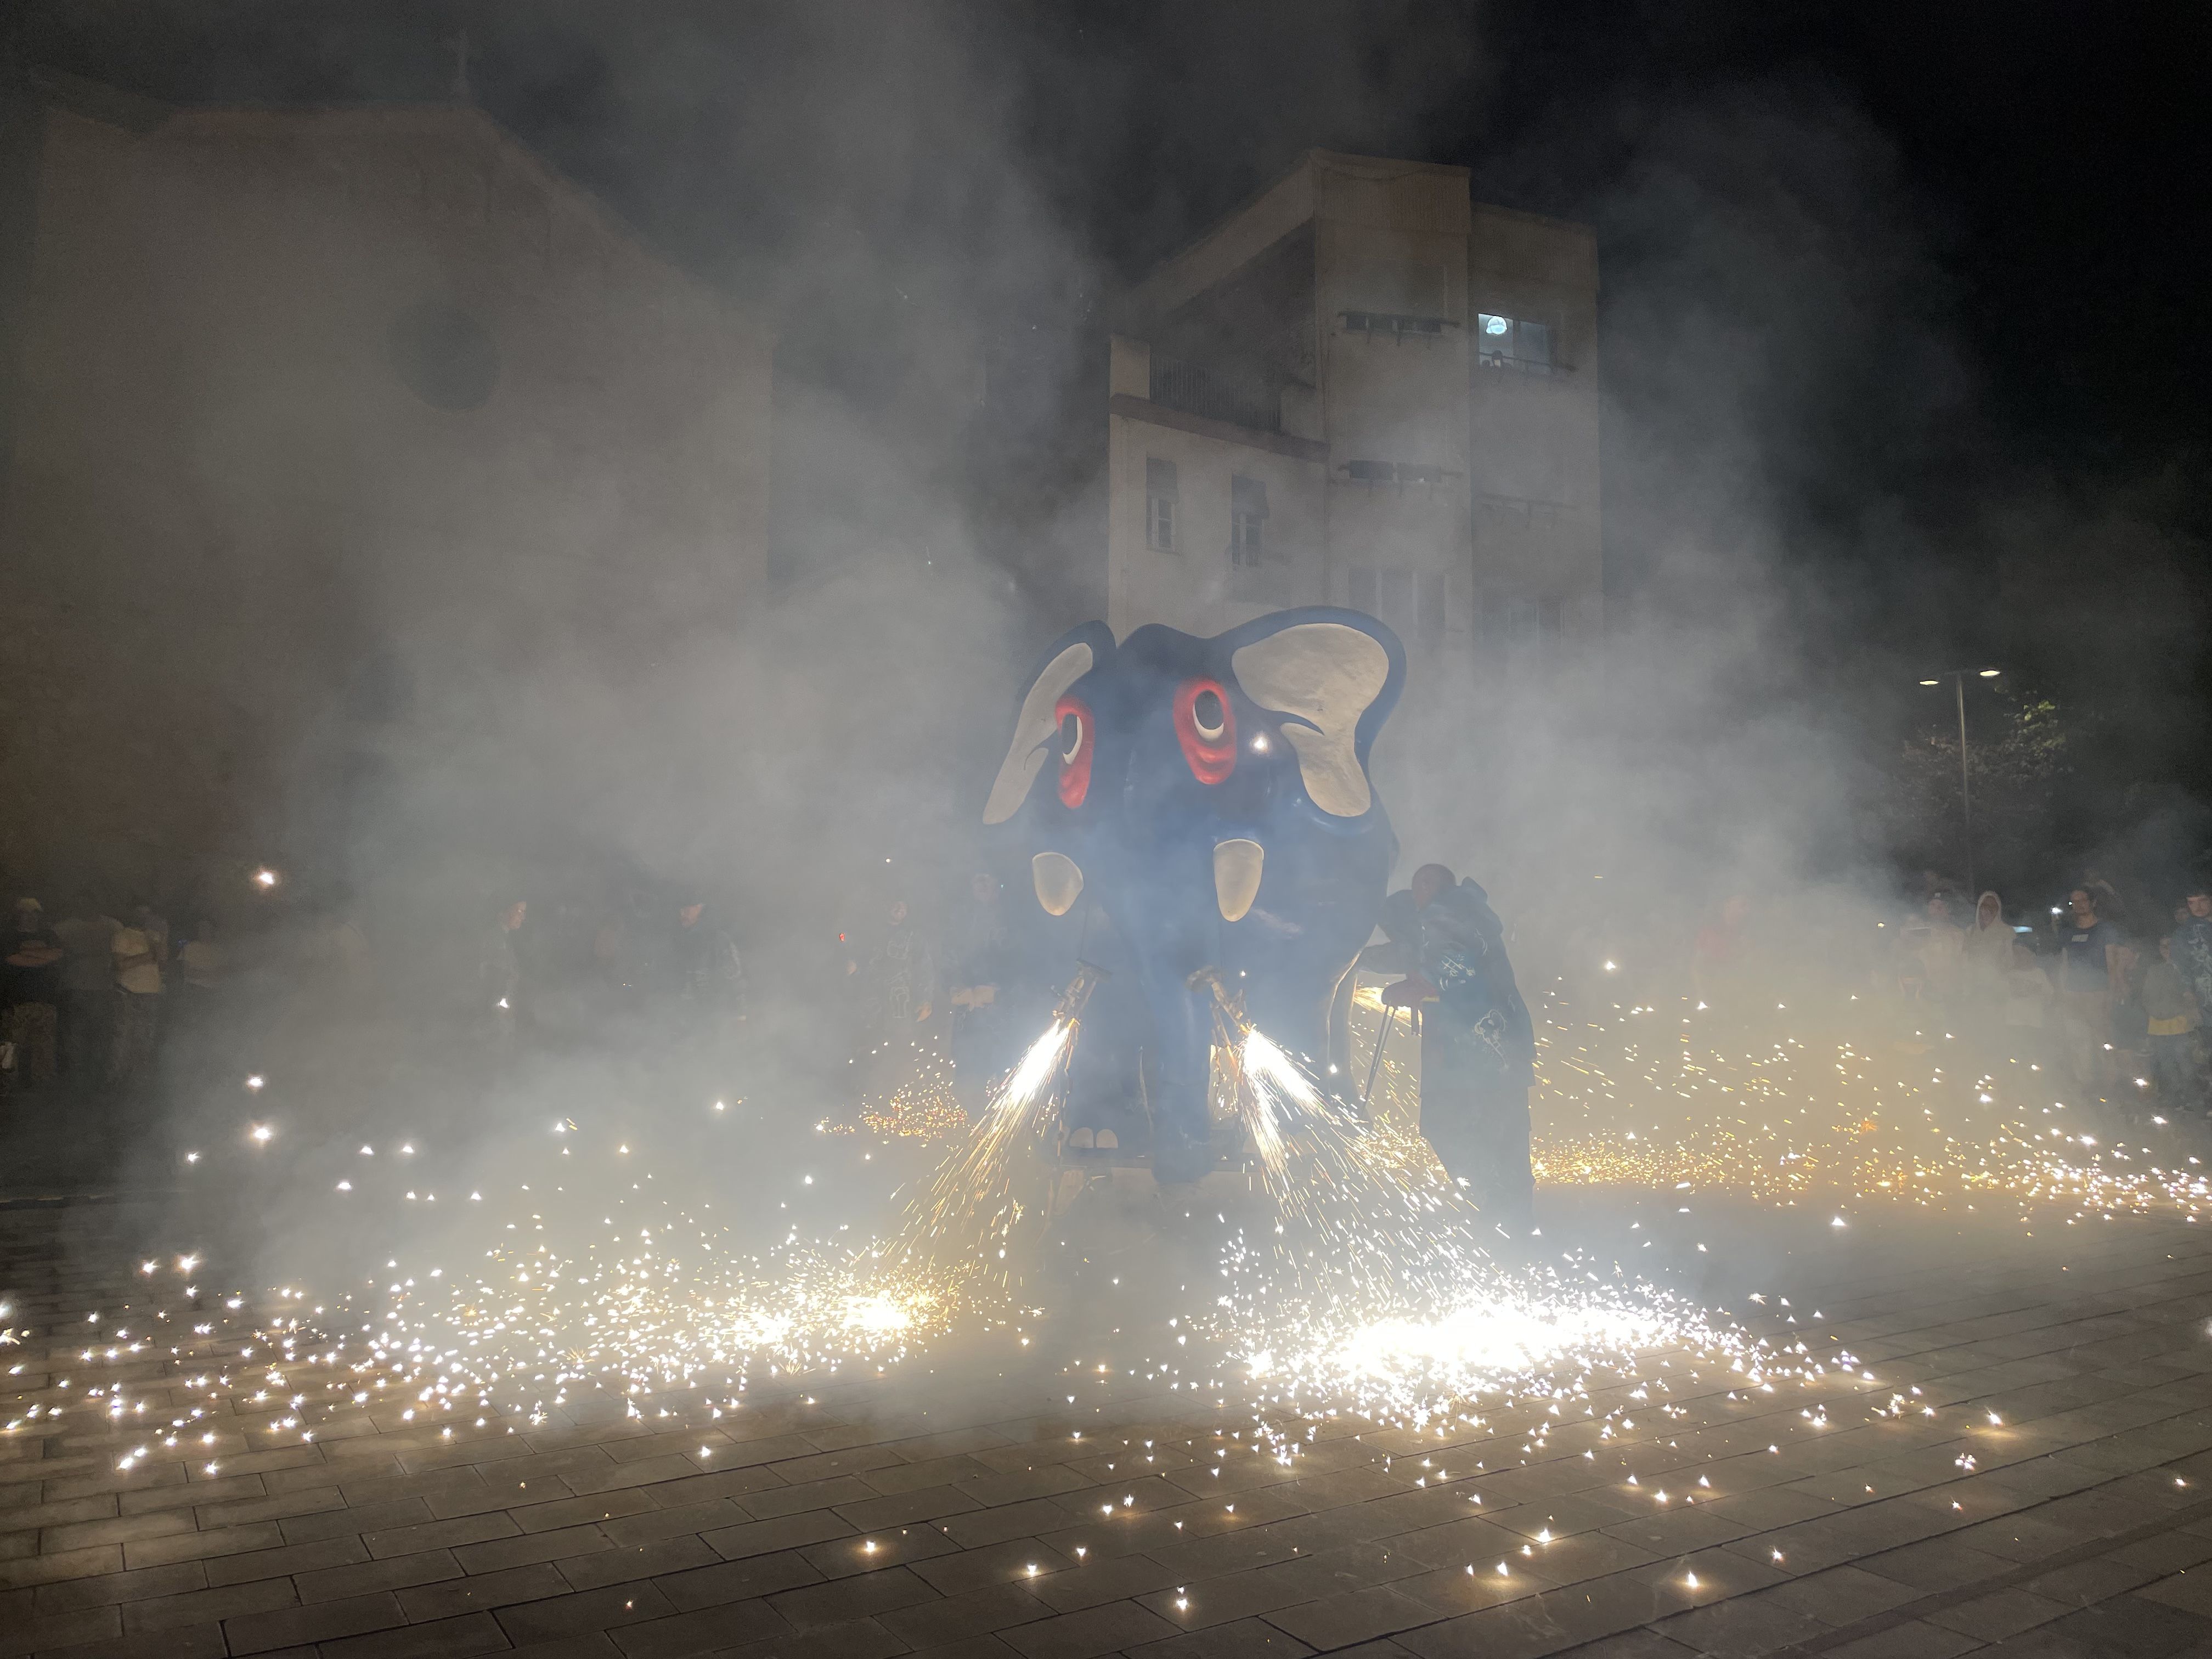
(1076, 741)
(1206, 725)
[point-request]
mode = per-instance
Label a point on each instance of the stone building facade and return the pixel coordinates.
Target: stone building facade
(1365, 389)
(299, 408)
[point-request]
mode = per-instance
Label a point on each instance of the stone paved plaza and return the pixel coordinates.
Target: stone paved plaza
(968, 1516)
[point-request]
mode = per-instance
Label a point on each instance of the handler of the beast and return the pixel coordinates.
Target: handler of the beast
(1477, 1048)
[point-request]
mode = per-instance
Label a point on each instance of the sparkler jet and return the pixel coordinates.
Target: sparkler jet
(1211, 798)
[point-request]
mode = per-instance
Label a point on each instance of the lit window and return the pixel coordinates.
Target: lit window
(1160, 504)
(1513, 342)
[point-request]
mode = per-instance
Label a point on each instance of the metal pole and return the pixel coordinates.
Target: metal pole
(1382, 1036)
(1966, 788)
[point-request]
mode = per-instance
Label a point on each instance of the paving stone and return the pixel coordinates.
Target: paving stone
(107, 1589)
(605, 1608)
(981, 1612)
(865, 1596)
(1248, 1639)
(198, 1545)
(208, 1606)
(259, 1632)
(1997, 1615)
(621, 1566)
(1113, 1627)
(744, 1580)
(45, 1631)
(451, 1639)
(709, 1630)
(785, 1533)
(390, 1573)
(1911, 1640)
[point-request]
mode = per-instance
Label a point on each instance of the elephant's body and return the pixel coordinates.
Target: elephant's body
(1210, 797)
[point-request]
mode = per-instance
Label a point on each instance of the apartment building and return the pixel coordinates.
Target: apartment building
(1364, 389)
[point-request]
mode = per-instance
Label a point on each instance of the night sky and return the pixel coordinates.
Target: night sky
(1928, 277)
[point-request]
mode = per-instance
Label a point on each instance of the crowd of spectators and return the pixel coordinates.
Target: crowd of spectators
(2110, 993)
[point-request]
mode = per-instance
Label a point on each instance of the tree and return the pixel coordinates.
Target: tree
(2018, 762)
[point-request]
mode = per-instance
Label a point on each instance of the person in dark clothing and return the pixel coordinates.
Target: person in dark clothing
(1478, 1046)
(30, 991)
(2192, 944)
(706, 972)
(894, 979)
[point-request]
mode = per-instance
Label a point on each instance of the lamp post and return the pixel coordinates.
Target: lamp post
(1957, 678)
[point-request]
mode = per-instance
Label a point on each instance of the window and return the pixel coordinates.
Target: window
(1429, 620)
(1512, 342)
(1248, 519)
(1160, 504)
(1522, 624)
(1394, 600)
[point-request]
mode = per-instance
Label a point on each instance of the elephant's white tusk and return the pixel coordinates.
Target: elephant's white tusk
(1237, 876)
(1059, 882)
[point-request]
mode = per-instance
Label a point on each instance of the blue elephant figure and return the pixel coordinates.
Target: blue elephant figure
(1211, 798)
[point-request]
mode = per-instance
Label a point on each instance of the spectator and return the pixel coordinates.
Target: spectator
(137, 993)
(1942, 945)
(30, 991)
(1991, 954)
(201, 959)
(894, 980)
(151, 922)
(2192, 945)
(88, 991)
(705, 970)
(2131, 1026)
(2171, 1013)
(203, 964)
(337, 970)
(2088, 962)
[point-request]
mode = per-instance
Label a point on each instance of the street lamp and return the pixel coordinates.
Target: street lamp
(1957, 678)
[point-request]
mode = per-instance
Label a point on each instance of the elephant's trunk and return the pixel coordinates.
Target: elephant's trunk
(1182, 1028)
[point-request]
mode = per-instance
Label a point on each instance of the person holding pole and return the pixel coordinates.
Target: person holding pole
(1478, 1046)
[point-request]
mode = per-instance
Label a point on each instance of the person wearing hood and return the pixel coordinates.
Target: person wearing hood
(1478, 1046)
(1991, 953)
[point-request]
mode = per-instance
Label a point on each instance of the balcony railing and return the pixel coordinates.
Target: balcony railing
(1395, 325)
(1197, 391)
(1505, 363)
(1396, 472)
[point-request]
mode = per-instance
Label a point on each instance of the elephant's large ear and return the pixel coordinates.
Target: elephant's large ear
(1073, 656)
(1335, 676)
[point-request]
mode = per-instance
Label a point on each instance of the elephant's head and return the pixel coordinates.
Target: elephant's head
(1211, 797)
